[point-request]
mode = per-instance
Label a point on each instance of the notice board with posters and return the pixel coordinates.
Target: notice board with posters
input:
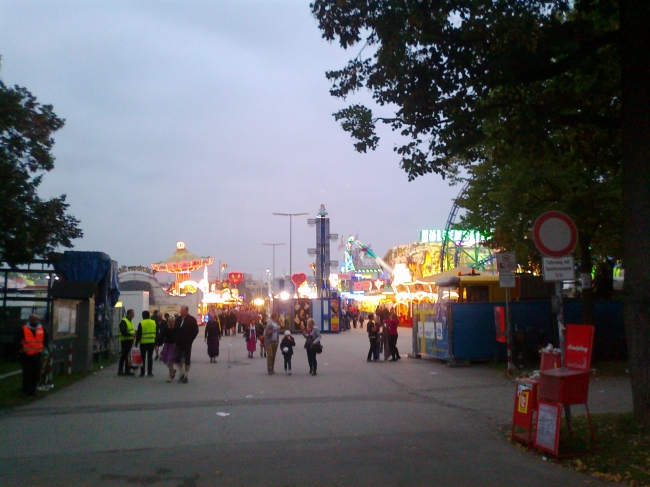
(547, 432)
(65, 313)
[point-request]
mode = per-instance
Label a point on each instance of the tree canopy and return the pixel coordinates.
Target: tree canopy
(544, 103)
(30, 227)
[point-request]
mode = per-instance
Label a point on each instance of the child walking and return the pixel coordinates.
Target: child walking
(286, 346)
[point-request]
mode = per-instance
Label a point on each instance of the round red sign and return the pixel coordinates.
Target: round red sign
(555, 234)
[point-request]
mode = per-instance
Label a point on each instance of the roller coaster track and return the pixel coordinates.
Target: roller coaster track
(450, 223)
(445, 249)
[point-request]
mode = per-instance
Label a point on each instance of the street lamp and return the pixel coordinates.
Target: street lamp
(290, 215)
(274, 245)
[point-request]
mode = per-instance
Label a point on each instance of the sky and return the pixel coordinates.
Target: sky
(194, 121)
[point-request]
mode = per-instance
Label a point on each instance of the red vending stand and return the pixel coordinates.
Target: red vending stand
(568, 385)
(524, 411)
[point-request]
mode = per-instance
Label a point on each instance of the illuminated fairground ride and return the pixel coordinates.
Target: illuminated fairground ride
(356, 257)
(182, 263)
(462, 247)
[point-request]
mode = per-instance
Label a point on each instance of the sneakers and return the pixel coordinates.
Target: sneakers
(121, 373)
(289, 373)
(181, 379)
(184, 380)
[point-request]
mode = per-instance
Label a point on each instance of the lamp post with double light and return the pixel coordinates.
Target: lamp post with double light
(290, 215)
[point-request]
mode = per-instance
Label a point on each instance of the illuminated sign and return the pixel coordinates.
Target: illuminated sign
(467, 237)
(135, 268)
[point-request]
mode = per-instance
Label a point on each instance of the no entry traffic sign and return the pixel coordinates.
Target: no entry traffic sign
(555, 234)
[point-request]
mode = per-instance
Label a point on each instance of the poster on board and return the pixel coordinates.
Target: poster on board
(547, 432)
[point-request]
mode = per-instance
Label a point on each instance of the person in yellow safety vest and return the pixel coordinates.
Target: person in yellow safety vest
(146, 338)
(31, 341)
(127, 334)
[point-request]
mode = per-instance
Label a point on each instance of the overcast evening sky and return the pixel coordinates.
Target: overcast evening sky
(195, 120)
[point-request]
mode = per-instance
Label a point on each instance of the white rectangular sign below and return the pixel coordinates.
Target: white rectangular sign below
(558, 269)
(507, 280)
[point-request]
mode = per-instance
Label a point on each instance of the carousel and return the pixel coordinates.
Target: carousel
(182, 263)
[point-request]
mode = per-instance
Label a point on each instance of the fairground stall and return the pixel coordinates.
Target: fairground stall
(464, 324)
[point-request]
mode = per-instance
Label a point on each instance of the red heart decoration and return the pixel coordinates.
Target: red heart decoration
(298, 278)
(235, 277)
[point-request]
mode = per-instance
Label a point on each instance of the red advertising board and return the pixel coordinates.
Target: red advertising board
(578, 342)
(500, 323)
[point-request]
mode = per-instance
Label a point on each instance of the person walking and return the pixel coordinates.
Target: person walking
(168, 338)
(260, 326)
(251, 339)
(392, 323)
(312, 339)
(31, 341)
(271, 342)
(213, 335)
(145, 338)
(287, 350)
(187, 331)
(126, 336)
(373, 333)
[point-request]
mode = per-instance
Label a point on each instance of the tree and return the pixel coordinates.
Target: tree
(448, 72)
(29, 226)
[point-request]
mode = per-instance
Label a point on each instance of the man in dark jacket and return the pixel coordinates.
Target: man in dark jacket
(188, 328)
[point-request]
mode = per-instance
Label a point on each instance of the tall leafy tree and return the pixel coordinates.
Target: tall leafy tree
(29, 226)
(463, 80)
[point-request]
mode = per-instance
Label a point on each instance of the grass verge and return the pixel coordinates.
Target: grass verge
(622, 452)
(11, 395)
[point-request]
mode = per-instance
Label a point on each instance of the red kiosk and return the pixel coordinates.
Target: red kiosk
(540, 402)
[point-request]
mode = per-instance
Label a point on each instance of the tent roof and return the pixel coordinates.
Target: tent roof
(182, 261)
(448, 273)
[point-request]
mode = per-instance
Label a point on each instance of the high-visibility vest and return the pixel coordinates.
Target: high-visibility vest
(148, 331)
(33, 340)
(130, 331)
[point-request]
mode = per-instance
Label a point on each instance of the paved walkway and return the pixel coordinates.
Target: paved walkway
(413, 422)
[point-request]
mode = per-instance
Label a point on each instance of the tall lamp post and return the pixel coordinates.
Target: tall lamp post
(290, 215)
(274, 245)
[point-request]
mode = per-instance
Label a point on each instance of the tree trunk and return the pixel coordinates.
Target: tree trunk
(635, 63)
(585, 270)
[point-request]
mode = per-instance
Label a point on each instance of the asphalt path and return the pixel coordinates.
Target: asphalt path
(411, 422)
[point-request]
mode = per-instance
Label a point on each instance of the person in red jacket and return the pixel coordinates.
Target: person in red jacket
(392, 323)
(31, 340)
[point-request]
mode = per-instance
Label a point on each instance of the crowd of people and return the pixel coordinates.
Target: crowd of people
(170, 338)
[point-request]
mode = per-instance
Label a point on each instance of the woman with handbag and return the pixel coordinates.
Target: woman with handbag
(312, 344)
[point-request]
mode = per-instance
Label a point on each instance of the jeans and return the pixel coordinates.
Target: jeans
(373, 352)
(124, 358)
(392, 343)
(311, 358)
(31, 372)
(146, 350)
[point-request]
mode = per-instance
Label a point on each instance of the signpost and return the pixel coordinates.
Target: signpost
(506, 265)
(555, 235)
